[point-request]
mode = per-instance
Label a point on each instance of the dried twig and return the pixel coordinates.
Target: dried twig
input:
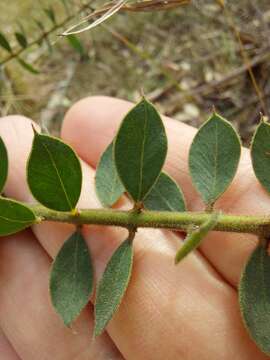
(110, 9)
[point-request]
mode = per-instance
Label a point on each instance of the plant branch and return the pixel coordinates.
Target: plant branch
(149, 5)
(152, 219)
(44, 35)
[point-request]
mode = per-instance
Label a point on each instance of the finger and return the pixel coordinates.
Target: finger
(99, 117)
(6, 350)
(26, 315)
(154, 299)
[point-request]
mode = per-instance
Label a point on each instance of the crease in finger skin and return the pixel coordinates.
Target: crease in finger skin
(6, 350)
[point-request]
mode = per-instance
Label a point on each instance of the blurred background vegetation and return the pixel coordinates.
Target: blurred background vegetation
(187, 59)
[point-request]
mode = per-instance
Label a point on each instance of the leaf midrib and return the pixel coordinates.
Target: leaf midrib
(263, 280)
(115, 303)
(142, 154)
(215, 161)
(75, 269)
(114, 182)
(58, 175)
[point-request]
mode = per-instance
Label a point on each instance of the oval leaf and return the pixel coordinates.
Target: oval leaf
(195, 237)
(14, 217)
(4, 43)
(28, 67)
(51, 14)
(260, 154)
(39, 25)
(140, 149)
(165, 195)
(54, 173)
(77, 45)
(3, 164)
(214, 157)
(22, 40)
(71, 280)
(254, 298)
(113, 285)
(108, 185)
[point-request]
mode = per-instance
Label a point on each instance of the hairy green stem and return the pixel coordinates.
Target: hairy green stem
(152, 219)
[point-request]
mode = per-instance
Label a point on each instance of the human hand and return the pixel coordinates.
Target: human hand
(169, 312)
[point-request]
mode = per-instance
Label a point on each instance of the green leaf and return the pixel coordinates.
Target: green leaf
(4, 43)
(77, 45)
(14, 217)
(165, 195)
(260, 154)
(39, 25)
(195, 237)
(54, 173)
(28, 66)
(254, 298)
(48, 43)
(140, 149)
(3, 164)
(108, 185)
(22, 29)
(22, 40)
(51, 14)
(71, 281)
(113, 285)
(214, 157)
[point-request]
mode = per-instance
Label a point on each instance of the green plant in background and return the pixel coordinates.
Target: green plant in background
(22, 41)
(132, 164)
(96, 17)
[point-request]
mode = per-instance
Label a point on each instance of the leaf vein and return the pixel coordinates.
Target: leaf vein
(142, 152)
(58, 175)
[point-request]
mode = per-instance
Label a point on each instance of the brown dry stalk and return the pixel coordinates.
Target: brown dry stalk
(114, 7)
(147, 5)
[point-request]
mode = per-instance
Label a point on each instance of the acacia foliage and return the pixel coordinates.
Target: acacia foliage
(133, 166)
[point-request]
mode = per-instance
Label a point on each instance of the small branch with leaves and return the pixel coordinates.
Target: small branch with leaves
(132, 164)
(99, 16)
(24, 44)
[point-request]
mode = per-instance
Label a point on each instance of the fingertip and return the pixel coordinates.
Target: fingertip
(91, 124)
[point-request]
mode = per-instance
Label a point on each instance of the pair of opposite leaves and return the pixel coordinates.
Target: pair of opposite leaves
(133, 162)
(54, 177)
